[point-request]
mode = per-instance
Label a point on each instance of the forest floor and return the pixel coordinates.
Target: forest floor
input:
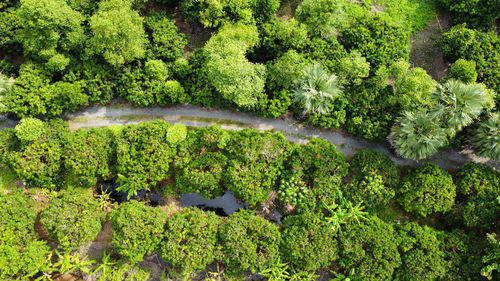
(424, 52)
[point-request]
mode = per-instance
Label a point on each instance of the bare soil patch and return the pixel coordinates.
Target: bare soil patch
(424, 52)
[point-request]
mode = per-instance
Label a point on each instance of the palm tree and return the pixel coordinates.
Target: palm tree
(486, 139)
(317, 90)
(417, 135)
(461, 103)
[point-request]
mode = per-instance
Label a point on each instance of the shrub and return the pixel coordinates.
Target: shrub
(353, 68)
(308, 242)
(8, 141)
(369, 250)
(29, 130)
(248, 242)
(478, 13)
(166, 41)
(176, 133)
(464, 70)
(280, 36)
(286, 71)
(422, 256)
(73, 219)
(89, 155)
(190, 240)
(173, 92)
(203, 174)
(478, 188)
(322, 17)
(373, 179)
(414, 88)
(137, 229)
(486, 138)
(294, 192)
(426, 190)
(491, 258)
(20, 251)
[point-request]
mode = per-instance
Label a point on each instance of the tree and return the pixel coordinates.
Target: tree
(49, 27)
(117, 33)
(280, 36)
(368, 250)
(89, 155)
(422, 257)
(248, 242)
(321, 16)
(426, 190)
(136, 229)
(73, 219)
(459, 103)
(464, 71)
(477, 192)
(190, 242)
(417, 135)
(414, 88)
(166, 41)
(308, 242)
(486, 138)
(317, 91)
(353, 68)
(286, 71)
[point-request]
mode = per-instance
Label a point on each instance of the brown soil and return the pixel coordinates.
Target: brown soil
(172, 205)
(42, 233)
(424, 52)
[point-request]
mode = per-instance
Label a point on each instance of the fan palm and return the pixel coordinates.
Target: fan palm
(317, 90)
(461, 103)
(418, 135)
(486, 139)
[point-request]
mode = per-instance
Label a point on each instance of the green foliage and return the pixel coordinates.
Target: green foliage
(117, 33)
(414, 88)
(286, 71)
(322, 17)
(318, 90)
(418, 135)
(377, 38)
(89, 155)
(166, 41)
(29, 130)
(464, 70)
(20, 251)
(120, 271)
(478, 187)
(218, 12)
(8, 141)
(248, 242)
(280, 36)
(474, 45)
(176, 133)
(49, 27)
(32, 95)
(486, 138)
(491, 257)
(73, 219)
(228, 71)
(39, 163)
(294, 192)
(255, 161)
(353, 68)
(421, 254)
(373, 179)
(478, 13)
(190, 241)
(136, 229)
(203, 175)
(369, 250)
(321, 167)
(344, 212)
(144, 155)
(459, 104)
(426, 190)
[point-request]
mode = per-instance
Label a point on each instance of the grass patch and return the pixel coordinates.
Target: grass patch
(394, 210)
(7, 177)
(214, 121)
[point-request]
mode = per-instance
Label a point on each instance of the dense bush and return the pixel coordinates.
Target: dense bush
(373, 179)
(248, 242)
(89, 155)
(136, 229)
(464, 70)
(414, 88)
(166, 42)
(369, 250)
(478, 13)
(73, 219)
(426, 190)
(279, 36)
(422, 257)
(477, 189)
(255, 161)
(144, 155)
(21, 253)
(190, 240)
(308, 242)
(322, 17)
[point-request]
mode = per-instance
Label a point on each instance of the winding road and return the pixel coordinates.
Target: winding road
(294, 131)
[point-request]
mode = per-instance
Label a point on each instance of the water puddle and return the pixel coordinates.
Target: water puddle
(224, 205)
(152, 198)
